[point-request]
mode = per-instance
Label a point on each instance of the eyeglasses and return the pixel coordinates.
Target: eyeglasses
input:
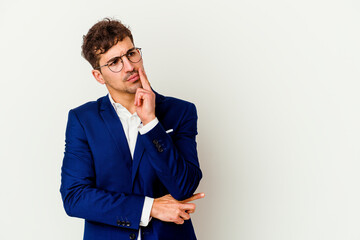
(115, 64)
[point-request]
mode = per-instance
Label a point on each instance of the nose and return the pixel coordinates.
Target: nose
(128, 66)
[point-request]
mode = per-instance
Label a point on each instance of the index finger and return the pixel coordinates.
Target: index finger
(194, 197)
(144, 81)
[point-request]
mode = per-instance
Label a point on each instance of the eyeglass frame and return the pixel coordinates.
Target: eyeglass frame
(120, 57)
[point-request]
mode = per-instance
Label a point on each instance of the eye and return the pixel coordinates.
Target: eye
(132, 53)
(116, 61)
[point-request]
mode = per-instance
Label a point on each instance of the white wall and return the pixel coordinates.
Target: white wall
(276, 84)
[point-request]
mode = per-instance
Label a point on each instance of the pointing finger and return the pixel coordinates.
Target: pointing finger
(144, 81)
(194, 197)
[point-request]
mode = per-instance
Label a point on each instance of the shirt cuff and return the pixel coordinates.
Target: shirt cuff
(144, 129)
(145, 215)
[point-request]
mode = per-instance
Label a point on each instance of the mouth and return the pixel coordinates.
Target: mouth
(133, 78)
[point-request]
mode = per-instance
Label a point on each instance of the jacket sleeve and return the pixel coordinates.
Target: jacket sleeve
(175, 160)
(81, 197)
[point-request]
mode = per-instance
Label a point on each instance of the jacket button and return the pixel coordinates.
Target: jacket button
(128, 224)
(155, 141)
(160, 149)
(132, 236)
(120, 223)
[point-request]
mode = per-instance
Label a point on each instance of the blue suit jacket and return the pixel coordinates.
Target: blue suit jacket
(103, 185)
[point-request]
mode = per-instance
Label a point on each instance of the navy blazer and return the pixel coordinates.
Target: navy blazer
(103, 185)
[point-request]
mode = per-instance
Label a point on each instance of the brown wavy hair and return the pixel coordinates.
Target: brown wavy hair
(101, 37)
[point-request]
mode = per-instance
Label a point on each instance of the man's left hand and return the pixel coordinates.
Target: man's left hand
(145, 100)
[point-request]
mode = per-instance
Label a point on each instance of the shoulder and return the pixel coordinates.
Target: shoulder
(166, 105)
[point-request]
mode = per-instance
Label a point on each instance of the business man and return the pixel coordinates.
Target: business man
(130, 166)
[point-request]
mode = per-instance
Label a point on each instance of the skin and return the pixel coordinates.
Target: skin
(137, 96)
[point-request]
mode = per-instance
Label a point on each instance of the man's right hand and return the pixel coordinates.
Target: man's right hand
(168, 209)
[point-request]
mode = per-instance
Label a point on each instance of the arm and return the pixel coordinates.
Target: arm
(175, 162)
(167, 208)
(80, 196)
(178, 168)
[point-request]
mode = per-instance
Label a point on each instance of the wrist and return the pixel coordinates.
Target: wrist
(147, 120)
(153, 208)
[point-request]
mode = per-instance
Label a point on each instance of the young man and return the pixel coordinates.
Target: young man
(130, 166)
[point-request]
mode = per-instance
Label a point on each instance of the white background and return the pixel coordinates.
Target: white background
(276, 85)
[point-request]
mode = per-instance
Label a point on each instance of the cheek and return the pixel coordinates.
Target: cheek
(114, 78)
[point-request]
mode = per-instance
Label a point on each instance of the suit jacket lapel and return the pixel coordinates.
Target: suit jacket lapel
(115, 128)
(138, 153)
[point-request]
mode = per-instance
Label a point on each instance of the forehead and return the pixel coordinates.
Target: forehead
(118, 49)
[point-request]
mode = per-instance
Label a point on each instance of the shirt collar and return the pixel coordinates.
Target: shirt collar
(120, 109)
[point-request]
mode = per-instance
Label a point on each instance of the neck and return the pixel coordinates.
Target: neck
(125, 99)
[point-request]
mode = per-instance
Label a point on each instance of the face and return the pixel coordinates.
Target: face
(127, 80)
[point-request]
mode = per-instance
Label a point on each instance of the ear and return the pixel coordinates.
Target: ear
(98, 76)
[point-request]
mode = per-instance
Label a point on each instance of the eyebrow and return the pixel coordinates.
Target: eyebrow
(113, 58)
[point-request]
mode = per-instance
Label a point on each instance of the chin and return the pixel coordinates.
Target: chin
(133, 89)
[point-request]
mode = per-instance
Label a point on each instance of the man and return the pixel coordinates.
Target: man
(130, 166)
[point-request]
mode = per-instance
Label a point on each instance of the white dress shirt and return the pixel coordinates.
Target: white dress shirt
(132, 126)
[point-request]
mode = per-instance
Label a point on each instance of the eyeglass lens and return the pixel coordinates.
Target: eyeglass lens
(133, 56)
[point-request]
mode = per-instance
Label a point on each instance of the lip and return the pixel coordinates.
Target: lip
(133, 78)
